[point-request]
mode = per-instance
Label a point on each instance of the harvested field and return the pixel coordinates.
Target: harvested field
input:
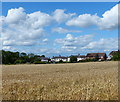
(80, 81)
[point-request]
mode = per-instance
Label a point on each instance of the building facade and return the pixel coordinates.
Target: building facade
(59, 58)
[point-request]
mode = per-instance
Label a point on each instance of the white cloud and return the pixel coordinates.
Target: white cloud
(86, 43)
(8, 48)
(18, 43)
(60, 16)
(43, 50)
(39, 19)
(45, 40)
(103, 44)
(71, 43)
(63, 30)
(85, 20)
(36, 19)
(108, 21)
(20, 28)
(49, 51)
(2, 19)
(15, 15)
(21, 36)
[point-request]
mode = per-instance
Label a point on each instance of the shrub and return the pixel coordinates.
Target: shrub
(19, 61)
(61, 61)
(39, 62)
(89, 60)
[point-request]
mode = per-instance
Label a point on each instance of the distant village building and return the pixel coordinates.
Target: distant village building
(68, 59)
(98, 56)
(91, 56)
(79, 57)
(102, 56)
(59, 58)
(44, 59)
(111, 54)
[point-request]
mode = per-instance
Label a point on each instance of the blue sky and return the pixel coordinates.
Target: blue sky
(61, 28)
(48, 7)
(60, 1)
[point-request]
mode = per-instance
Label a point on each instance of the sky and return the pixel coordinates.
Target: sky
(60, 0)
(59, 28)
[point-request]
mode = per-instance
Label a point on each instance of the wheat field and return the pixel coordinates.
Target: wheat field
(73, 81)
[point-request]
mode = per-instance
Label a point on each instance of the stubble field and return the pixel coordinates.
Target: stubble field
(80, 81)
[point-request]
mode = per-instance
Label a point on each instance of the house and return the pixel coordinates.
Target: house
(111, 54)
(102, 56)
(68, 59)
(92, 56)
(59, 58)
(79, 57)
(44, 59)
(97, 56)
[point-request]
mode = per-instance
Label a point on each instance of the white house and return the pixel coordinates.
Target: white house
(109, 58)
(81, 57)
(59, 58)
(68, 59)
(44, 59)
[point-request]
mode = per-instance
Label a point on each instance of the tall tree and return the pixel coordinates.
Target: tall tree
(73, 59)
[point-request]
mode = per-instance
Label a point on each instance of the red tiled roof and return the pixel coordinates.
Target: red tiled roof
(96, 54)
(111, 53)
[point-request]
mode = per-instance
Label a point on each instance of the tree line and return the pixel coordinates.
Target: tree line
(9, 57)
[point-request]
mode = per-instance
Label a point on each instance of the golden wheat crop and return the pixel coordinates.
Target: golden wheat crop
(80, 81)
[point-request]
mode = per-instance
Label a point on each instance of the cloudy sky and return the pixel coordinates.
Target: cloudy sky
(59, 28)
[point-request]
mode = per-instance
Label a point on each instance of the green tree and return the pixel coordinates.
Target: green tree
(73, 59)
(116, 56)
(31, 55)
(43, 56)
(23, 54)
(9, 57)
(24, 59)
